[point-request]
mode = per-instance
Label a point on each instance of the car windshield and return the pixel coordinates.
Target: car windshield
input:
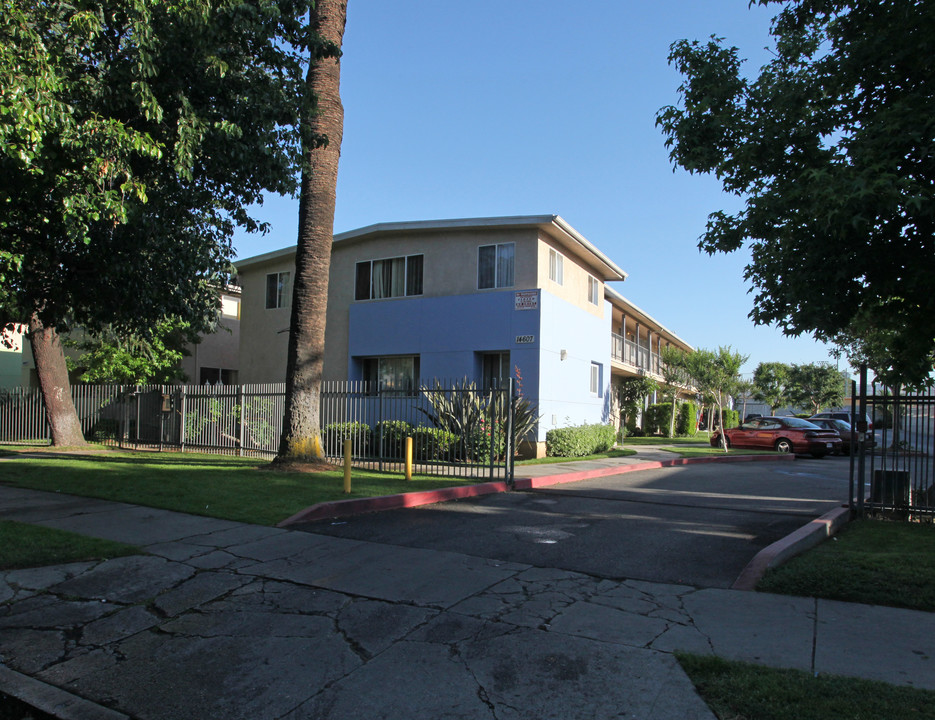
(798, 423)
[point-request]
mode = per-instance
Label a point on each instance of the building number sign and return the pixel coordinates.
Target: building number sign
(525, 339)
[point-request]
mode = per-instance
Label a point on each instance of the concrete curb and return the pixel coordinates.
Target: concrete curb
(806, 537)
(545, 480)
(52, 700)
(344, 508)
(347, 508)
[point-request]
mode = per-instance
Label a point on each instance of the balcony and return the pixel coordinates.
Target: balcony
(641, 359)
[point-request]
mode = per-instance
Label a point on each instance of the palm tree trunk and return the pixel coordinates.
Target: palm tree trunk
(52, 370)
(301, 435)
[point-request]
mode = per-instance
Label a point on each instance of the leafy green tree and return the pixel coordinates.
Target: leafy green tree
(629, 394)
(816, 386)
(770, 384)
(716, 375)
(676, 378)
(110, 358)
(134, 135)
(830, 149)
(324, 126)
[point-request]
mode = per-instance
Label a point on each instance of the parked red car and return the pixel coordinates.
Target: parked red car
(783, 434)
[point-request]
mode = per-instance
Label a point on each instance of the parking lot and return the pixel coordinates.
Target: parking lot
(696, 524)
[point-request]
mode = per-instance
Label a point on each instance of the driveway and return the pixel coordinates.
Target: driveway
(697, 524)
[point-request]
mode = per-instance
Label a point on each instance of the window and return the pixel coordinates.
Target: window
(596, 371)
(496, 368)
(556, 267)
(394, 374)
(277, 290)
(495, 266)
(217, 376)
(388, 278)
(593, 290)
(230, 307)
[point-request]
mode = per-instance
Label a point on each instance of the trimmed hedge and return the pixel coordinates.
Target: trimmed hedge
(579, 441)
(335, 434)
(395, 433)
(686, 422)
(434, 444)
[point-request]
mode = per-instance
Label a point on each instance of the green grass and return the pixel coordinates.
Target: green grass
(618, 452)
(23, 545)
(233, 488)
(740, 691)
(657, 440)
(870, 561)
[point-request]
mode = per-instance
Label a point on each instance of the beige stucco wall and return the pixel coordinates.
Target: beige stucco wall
(264, 334)
(449, 267)
(574, 287)
(220, 349)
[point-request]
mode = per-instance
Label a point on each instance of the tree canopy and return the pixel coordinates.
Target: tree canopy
(771, 384)
(831, 148)
(134, 135)
(816, 386)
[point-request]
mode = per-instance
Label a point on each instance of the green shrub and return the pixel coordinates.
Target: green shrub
(687, 421)
(433, 444)
(104, 429)
(579, 440)
(633, 430)
(335, 434)
(656, 419)
(478, 449)
(394, 433)
(731, 418)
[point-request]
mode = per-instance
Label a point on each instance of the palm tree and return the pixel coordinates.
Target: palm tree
(323, 128)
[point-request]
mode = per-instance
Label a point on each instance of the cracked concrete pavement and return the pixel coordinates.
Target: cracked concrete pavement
(225, 620)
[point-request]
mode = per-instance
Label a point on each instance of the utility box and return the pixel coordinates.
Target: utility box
(890, 488)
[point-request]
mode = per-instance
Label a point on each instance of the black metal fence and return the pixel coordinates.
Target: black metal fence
(893, 472)
(451, 428)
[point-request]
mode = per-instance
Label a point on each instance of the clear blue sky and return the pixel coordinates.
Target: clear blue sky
(516, 107)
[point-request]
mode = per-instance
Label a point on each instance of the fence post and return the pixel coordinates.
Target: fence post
(510, 437)
(861, 459)
(380, 423)
(492, 429)
(182, 423)
(241, 401)
(347, 465)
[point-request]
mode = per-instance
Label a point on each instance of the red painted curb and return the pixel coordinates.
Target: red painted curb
(546, 480)
(806, 537)
(343, 508)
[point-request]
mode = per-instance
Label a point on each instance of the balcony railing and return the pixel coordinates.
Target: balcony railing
(630, 353)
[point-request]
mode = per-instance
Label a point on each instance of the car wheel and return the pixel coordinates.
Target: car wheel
(783, 445)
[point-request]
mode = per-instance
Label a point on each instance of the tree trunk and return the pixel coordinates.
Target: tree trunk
(53, 382)
(301, 434)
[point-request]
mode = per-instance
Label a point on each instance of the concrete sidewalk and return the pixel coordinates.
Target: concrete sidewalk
(226, 620)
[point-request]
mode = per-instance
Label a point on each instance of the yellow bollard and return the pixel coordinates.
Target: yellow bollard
(347, 465)
(408, 458)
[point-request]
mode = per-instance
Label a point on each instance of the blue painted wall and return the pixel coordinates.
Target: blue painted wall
(565, 397)
(448, 333)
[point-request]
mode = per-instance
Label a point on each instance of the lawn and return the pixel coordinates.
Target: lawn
(23, 546)
(241, 489)
(870, 561)
(618, 452)
(700, 438)
(741, 691)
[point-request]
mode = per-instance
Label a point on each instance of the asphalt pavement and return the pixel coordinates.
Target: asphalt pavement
(226, 620)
